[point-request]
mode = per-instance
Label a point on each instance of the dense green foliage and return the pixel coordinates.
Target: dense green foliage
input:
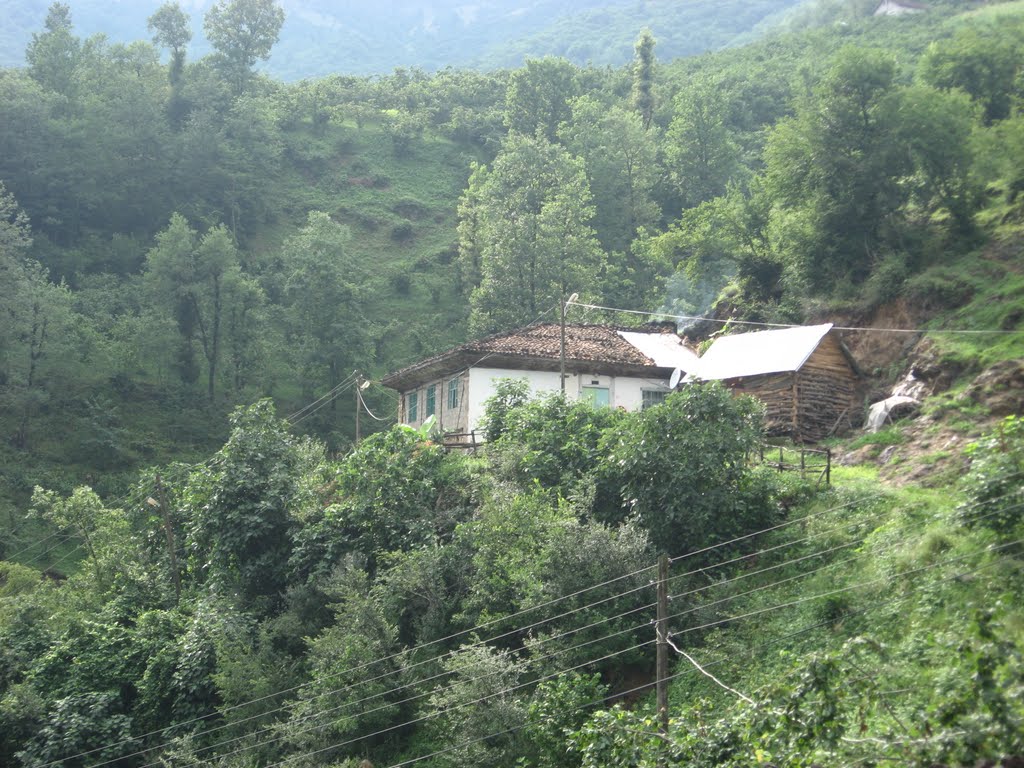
(180, 239)
(199, 589)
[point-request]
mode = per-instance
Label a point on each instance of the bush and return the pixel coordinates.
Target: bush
(993, 486)
(681, 468)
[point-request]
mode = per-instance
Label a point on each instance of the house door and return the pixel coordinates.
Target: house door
(596, 396)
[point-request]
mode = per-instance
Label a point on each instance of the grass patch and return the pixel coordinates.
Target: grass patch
(891, 435)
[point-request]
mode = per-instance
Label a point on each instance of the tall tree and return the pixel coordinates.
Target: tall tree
(242, 32)
(833, 170)
(539, 95)
(620, 161)
(700, 151)
(537, 245)
(170, 28)
(198, 280)
(327, 329)
(643, 77)
(53, 55)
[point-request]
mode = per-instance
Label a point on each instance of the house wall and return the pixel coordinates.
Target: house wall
(624, 391)
(449, 419)
(827, 391)
(776, 391)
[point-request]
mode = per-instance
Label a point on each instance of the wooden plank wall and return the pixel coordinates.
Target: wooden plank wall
(806, 405)
(826, 391)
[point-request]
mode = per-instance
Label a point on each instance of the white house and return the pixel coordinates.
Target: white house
(626, 368)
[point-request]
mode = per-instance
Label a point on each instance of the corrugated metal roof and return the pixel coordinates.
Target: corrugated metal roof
(760, 352)
(667, 350)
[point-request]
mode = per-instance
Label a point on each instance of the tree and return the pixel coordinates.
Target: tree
(539, 95)
(981, 62)
(643, 77)
(39, 327)
(198, 279)
(681, 468)
(170, 28)
(328, 331)
(699, 148)
(532, 229)
(833, 171)
(105, 532)
(240, 506)
(53, 55)
(479, 710)
(620, 161)
(242, 32)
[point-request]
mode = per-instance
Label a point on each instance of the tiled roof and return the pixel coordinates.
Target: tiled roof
(582, 342)
(604, 344)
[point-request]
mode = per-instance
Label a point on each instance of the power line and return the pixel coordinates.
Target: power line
(316, 715)
(36, 543)
(513, 631)
(484, 625)
(459, 706)
(698, 318)
(509, 690)
(328, 394)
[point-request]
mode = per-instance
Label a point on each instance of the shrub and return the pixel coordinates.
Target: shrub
(681, 468)
(993, 486)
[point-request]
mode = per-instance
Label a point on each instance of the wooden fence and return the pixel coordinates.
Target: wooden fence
(809, 462)
(461, 441)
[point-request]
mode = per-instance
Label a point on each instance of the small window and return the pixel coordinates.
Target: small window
(412, 401)
(453, 394)
(599, 397)
(652, 397)
(431, 404)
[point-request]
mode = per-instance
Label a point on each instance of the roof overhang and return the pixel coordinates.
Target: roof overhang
(459, 361)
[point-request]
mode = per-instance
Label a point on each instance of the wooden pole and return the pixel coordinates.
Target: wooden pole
(358, 395)
(561, 350)
(662, 638)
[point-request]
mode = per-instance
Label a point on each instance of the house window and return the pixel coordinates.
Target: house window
(412, 401)
(596, 396)
(431, 404)
(652, 397)
(453, 394)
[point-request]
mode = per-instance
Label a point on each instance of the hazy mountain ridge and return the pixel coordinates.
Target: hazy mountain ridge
(321, 37)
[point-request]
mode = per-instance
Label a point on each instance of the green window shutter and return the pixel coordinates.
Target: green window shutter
(431, 406)
(412, 406)
(453, 394)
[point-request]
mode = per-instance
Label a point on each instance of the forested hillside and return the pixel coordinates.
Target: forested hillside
(323, 37)
(201, 266)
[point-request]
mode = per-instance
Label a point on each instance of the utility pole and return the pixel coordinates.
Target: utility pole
(561, 347)
(662, 638)
(359, 395)
(561, 351)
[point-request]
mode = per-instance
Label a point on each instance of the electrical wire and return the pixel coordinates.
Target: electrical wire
(516, 630)
(697, 318)
(714, 585)
(345, 381)
(366, 408)
(492, 622)
(480, 700)
(747, 615)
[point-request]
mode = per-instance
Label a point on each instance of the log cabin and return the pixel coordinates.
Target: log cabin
(805, 376)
